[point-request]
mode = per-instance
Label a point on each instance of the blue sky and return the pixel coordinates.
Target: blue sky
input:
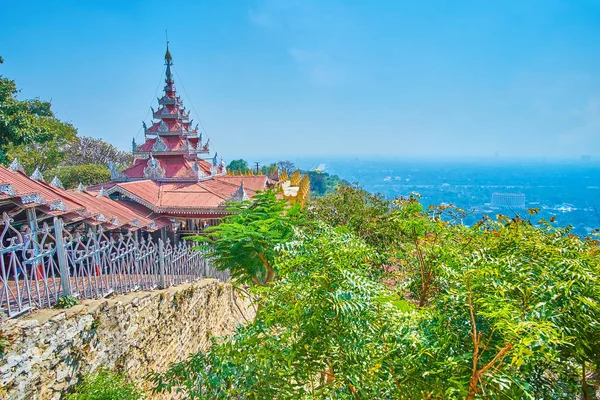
(279, 78)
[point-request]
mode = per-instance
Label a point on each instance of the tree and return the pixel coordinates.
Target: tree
(89, 174)
(239, 166)
(244, 243)
(30, 131)
(322, 332)
(506, 308)
(87, 150)
(269, 170)
(366, 215)
(286, 166)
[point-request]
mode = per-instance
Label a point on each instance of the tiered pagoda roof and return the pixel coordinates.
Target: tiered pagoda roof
(173, 172)
(173, 150)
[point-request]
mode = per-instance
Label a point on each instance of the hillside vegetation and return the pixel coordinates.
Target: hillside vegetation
(360, 297)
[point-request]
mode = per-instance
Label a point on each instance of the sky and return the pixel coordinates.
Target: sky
(276, 78)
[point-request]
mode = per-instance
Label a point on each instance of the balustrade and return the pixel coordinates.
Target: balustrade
(37, 268)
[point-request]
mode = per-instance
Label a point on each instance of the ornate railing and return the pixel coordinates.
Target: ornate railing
(37, 268)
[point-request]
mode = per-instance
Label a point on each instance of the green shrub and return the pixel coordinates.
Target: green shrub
(66, 302)
(105, 385)
(88, 174)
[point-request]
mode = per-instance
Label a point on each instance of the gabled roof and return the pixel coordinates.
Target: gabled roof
(28, 193)
(188, 197)
(73, 206)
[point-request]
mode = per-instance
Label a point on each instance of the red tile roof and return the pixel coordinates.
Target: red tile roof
(175, 167)
(24, 186)
(79, 205)
(168, 197)
(174, 143)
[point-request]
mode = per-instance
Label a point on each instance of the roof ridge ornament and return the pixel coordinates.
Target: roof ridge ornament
(115, 174)
(162, 127)
(159, 145)
(7, 189)
(154, 169)
(37, 175)
(80, 188)
(102, 192)
(240, 194)
(56, 183)
(15, 166)
(58, 205)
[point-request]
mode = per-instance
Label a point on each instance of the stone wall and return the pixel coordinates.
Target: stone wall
(135, 333)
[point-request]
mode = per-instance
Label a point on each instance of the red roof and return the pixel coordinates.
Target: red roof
(174, 143)
(175, 167)
(76, 206)
(169, 197)
(23, 186)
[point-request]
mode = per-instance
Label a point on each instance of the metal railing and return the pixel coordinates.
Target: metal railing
(37, 268)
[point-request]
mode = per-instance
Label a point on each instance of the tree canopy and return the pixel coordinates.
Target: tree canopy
(381, 299)
(30, 131)
(86, 150)
(245, 242)
(88, 174)
(239, 166)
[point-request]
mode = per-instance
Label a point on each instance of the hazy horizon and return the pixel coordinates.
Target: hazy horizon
(271, 78)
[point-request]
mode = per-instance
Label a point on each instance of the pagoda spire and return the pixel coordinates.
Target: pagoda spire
(169, 63)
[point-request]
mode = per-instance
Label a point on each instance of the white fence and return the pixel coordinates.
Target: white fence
(37, 268)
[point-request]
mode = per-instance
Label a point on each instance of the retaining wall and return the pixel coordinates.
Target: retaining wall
(136, 333)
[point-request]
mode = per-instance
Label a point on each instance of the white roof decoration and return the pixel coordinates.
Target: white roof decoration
(57, 183)
(15, 166)
(37, 175)
(102, 193)
(240, 194)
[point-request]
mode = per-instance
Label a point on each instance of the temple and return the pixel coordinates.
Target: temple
(173, 173)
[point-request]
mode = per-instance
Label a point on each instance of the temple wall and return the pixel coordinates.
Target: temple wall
(136, 333)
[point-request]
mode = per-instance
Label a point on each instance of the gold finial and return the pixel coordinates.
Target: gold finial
(295, 179)
(283, 177)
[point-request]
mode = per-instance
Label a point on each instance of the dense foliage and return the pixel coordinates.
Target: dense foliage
(245, 242)
(105, 385)
(238, 166)
(86, 150)
(322, 183)
(89, 174)
(30, 131)
(379, 299)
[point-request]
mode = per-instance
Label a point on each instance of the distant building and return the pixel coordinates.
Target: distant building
(512, 200)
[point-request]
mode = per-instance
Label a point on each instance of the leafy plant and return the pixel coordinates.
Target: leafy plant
(507, 308)
(322, 332)
(246, 240)
(238, 166)
(105, 385)
(30, 131)
(88, 174)
(66, 302)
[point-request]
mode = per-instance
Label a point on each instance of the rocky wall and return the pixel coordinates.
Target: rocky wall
(48, 350)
